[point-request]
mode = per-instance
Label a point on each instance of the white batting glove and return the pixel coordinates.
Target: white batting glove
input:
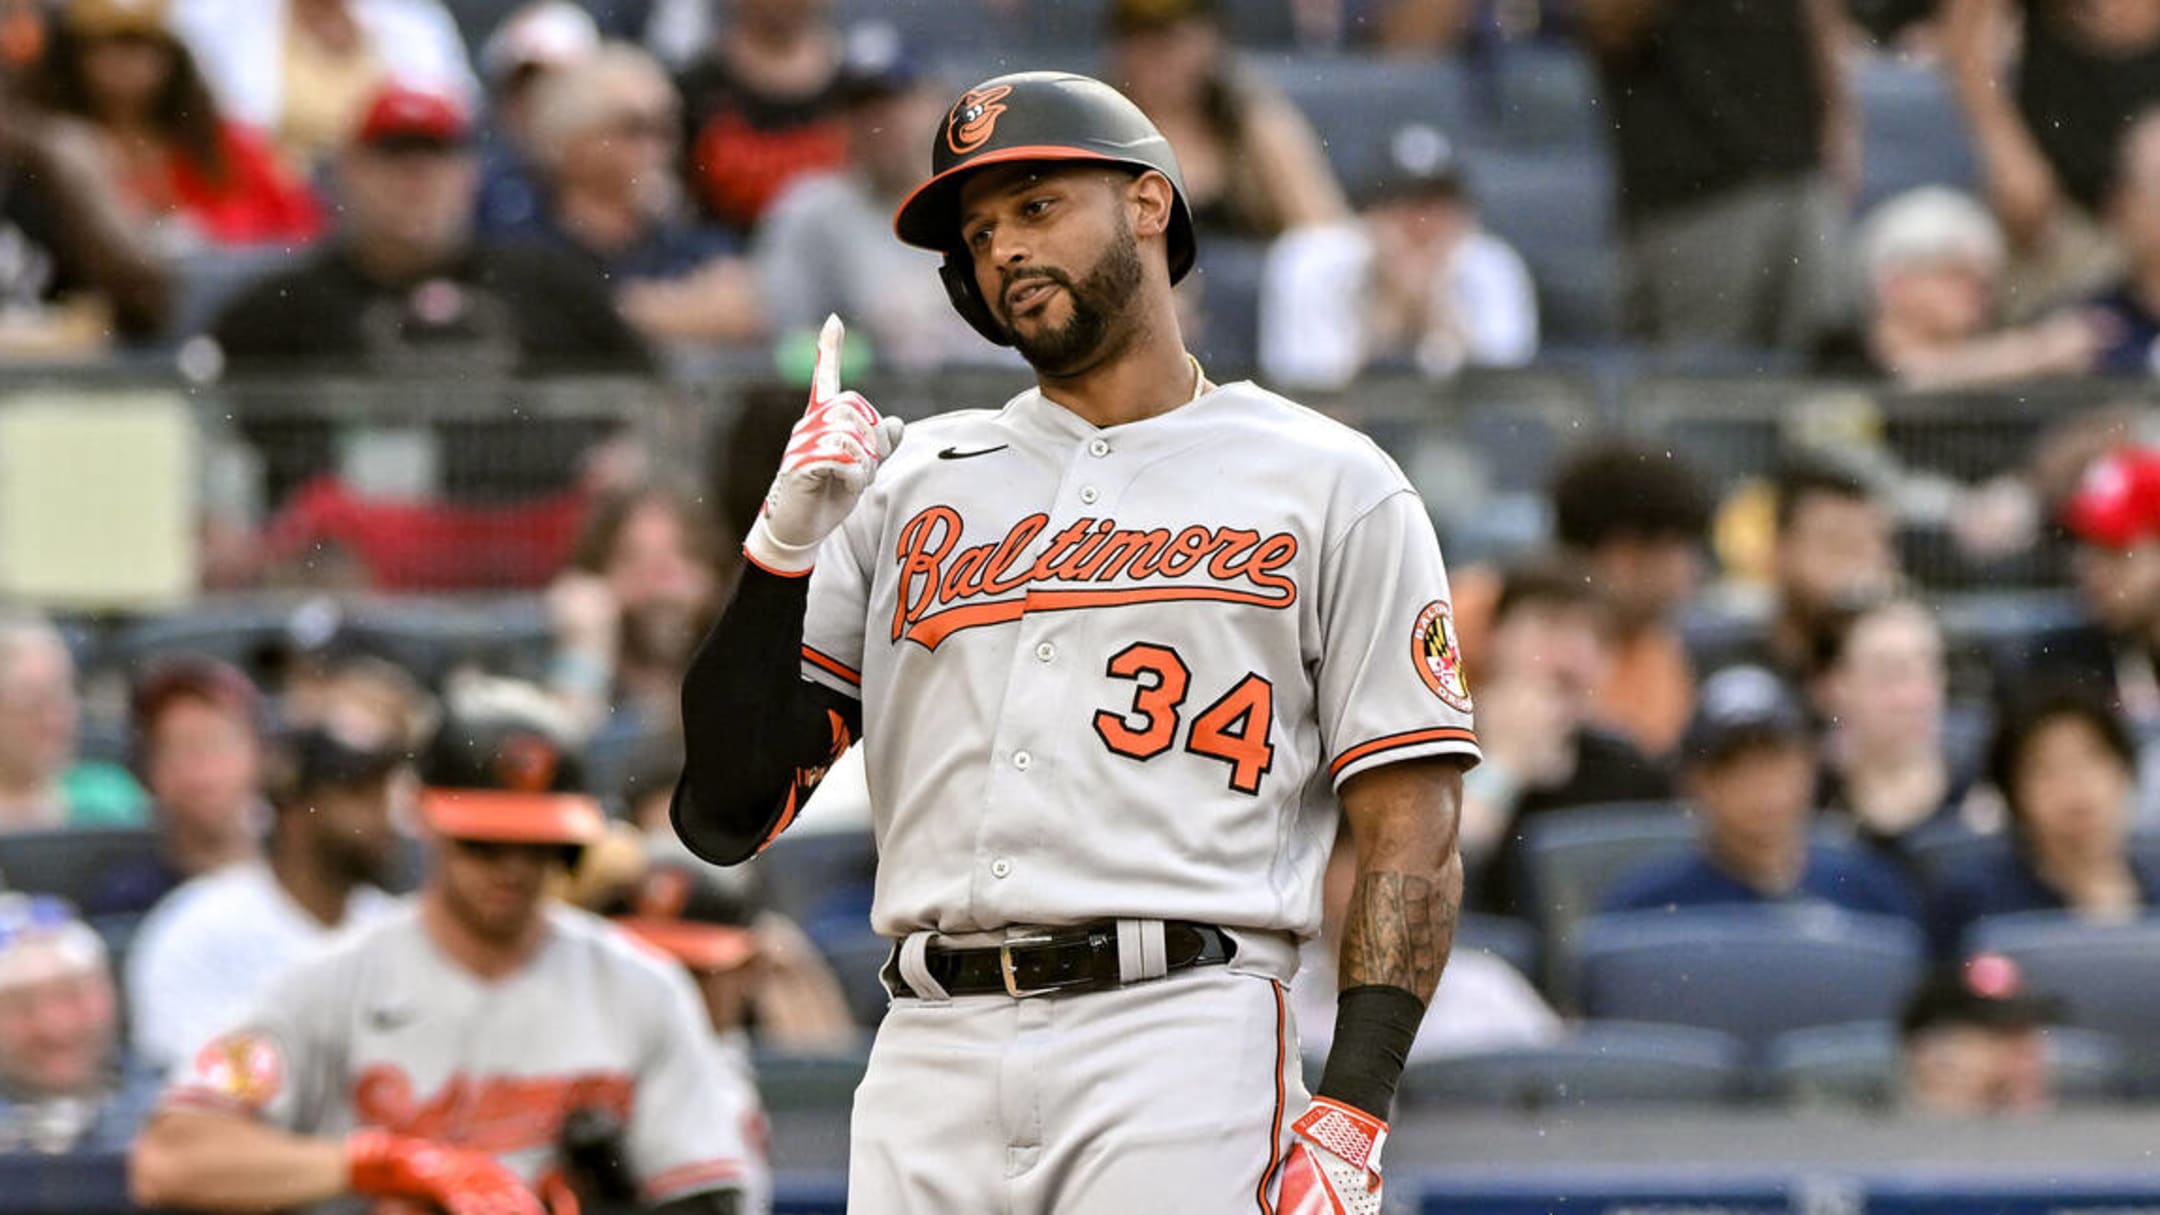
(831, 456)
(1334, 1165)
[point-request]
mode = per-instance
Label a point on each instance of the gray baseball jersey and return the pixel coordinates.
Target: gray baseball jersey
(384, 1031)
(1120, 672)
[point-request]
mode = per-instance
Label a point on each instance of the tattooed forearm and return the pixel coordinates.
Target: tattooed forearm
(1400, 928)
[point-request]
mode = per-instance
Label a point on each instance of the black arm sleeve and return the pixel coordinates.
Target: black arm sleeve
(757, 735)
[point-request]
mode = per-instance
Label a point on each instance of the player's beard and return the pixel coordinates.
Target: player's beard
(1090, 334)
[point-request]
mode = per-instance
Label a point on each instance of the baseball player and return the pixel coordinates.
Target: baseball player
(1121, 652)
(438, 1056)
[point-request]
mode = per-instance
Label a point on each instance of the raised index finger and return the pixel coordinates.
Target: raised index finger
(825, 373)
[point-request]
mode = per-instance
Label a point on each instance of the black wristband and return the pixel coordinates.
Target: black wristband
(1374, 1027)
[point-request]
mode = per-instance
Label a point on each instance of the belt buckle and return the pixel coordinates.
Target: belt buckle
(1005, 965)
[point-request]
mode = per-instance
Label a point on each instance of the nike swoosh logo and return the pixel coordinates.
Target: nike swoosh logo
(954, 453)
(384, 1020)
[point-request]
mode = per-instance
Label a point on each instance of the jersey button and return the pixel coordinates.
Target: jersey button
(1088, 494)
(1099, 448)
(1001, 868)
(1022, 759)
(1046, 651)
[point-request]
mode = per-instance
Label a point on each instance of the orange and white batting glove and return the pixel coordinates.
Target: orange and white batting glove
(454, 1180)
(1334, 1165)
(831, 456)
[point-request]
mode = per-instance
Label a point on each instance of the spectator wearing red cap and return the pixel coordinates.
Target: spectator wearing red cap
(2066, 768)
(407, 288)
(2113, 514)
(605, 132)
(116, 64)
(42, 784)
(1972, 1041)
(305, 70)
(198, 728)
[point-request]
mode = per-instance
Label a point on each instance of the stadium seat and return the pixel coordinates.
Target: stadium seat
(505, 635)
(1340, 96)
(1751, 972)
(1945, 853)
(1602, 1063)
(1229, 279)
(1857, 1065)
(1571, 856)
(823, 1081)
(1912, 131)
(801, 871)
(1504, 937)
(245, 634)
(1555, 208)
(2107, 974)
(68, 862)
(1546, 97)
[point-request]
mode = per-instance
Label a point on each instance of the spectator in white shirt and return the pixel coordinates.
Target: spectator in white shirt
(201, 956)
(1413, 279)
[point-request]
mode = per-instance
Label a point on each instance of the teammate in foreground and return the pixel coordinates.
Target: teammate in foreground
(1116, 650)
(439, 1056)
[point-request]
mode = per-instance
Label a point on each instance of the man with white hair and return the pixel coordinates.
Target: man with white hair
(604, 132)
(1933, 260)
(537, 40)
(64, 1086)
(41, 785)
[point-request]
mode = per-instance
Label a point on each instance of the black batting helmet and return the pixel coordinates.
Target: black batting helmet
(1032, 116)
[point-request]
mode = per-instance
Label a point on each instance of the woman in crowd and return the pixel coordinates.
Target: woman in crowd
(644, 583)
(2066, 766)
(1253, 167)
(118, 66)
(1879, 685)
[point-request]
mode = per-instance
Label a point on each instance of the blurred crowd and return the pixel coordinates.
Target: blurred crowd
(382, 188)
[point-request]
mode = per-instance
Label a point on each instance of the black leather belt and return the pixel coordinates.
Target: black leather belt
(1077, 959)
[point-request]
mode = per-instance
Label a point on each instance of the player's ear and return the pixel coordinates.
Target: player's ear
(1151, 200)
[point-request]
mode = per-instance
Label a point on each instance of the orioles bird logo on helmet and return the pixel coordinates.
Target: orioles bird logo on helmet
(974, 117)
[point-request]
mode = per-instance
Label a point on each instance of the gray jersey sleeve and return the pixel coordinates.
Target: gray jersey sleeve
(694, 1122)
(834, 623)
(282, 1060)
(1391, 684)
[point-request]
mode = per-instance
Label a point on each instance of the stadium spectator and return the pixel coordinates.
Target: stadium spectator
(763, 103)
(1878, 684)
(1934, 262)
(198, 730)
(407, 288)
(1972, 1042)
(483, 996)
(66, 1085)
(2131, 309)
(826, 245)
(42, 786)
(2045, 104)
(1546, 654)
(2066, 767)
(604, 133)
(1482, 1002)
(2113, 514)
(182, 167)
(1635, 518)
(1253, 167)
(531, 44)
(203, 954)
(1414, 280)
(306, 70)
(1748, 766)
(1831, 548)
(1733, 129)
(76, 271)
(644, 585)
